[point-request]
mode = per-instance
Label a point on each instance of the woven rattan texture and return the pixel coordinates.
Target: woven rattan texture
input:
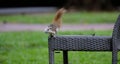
(81, 43)
(116, 33)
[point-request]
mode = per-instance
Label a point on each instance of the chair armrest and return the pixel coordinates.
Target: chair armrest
(81, 43)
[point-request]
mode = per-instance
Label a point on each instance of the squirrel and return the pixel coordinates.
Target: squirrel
(56, 23)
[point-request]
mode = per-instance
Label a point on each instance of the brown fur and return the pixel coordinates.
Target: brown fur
(52, 28)
(57, 20)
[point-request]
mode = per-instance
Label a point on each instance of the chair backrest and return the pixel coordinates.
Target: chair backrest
(116, 33)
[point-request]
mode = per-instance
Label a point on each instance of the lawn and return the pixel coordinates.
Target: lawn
(73, 18)
(32, 48)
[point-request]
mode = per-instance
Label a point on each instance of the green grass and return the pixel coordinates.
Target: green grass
(32, 48)
(73, 18)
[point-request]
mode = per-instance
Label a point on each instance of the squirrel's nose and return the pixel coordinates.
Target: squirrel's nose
(46, 30)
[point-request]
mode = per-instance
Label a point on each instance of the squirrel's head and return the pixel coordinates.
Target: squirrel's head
(51, 29)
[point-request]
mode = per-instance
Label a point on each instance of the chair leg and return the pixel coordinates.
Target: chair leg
(51, 57)
(65, 57)
(114, 57)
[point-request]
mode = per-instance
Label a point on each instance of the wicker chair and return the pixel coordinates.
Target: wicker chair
(85, 43)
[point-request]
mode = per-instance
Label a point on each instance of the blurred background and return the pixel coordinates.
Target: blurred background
(22, 23)
(80, 4)
(87, 5)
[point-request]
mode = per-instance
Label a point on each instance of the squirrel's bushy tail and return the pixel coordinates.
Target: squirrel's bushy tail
(58, 17)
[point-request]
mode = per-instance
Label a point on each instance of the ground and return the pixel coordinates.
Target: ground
(65, 27)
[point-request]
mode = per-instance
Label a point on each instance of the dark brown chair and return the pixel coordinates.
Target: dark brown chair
(85, 43)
